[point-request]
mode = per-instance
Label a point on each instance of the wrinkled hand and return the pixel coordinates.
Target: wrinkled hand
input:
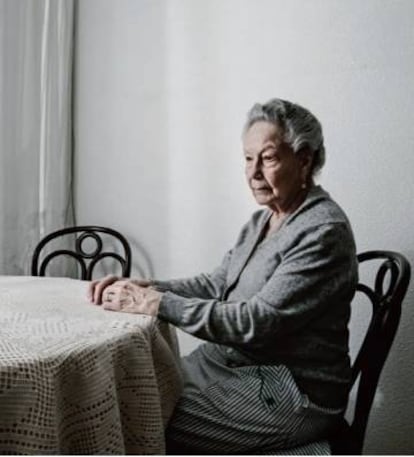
(97, 287)
(125, 295)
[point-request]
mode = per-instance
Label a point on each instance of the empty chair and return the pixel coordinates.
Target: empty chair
(86, 260)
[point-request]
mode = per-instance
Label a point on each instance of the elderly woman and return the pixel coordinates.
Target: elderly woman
(275, 370)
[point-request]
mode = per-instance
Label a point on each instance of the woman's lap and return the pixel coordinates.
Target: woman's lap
(241, 410)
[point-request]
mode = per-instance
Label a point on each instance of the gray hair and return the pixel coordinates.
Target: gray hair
(301, 128)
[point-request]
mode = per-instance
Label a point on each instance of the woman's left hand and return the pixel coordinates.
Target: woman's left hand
(128, 297)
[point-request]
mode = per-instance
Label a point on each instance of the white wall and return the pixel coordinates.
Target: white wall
(162, 88)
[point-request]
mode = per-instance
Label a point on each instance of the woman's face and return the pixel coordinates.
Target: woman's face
(274, 172)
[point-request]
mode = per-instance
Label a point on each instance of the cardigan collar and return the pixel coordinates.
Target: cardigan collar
(315, 194)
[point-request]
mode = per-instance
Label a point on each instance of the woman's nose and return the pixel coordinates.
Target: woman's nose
(257, 173)
(255, 169)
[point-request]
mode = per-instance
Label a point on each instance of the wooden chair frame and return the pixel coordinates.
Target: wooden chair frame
(87, 261)
(371, 357)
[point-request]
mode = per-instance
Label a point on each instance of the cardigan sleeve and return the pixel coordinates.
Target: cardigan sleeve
(313, 275)
(206, 286)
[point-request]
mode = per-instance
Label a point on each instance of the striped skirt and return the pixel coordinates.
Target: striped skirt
(244, 410)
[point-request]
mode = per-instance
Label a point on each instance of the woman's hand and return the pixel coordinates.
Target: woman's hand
(97, 287)
(128, 296)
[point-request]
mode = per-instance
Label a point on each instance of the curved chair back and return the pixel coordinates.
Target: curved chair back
(86, 260)
(386, 297)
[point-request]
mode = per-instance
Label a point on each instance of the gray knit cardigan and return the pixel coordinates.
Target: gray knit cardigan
(283, 299)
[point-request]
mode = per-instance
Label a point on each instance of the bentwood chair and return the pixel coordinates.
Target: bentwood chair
(386, 296)
(87, 260)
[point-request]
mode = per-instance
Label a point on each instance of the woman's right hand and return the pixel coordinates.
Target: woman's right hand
(97, 287)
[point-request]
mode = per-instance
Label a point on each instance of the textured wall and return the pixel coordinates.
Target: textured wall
(162, 88)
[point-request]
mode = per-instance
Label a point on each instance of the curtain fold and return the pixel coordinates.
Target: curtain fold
(35, 126)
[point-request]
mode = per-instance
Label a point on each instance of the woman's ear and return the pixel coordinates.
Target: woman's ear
(306, 156)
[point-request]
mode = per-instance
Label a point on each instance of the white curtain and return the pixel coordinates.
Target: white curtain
(36, 41)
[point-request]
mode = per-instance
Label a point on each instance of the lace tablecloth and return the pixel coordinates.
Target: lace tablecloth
(76, 379)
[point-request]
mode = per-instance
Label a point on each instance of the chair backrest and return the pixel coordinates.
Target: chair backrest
(386, 297)
(86, 260)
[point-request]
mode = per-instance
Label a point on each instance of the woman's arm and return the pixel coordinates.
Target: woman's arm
(144, 296)
(202, 286)
(319, 271)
